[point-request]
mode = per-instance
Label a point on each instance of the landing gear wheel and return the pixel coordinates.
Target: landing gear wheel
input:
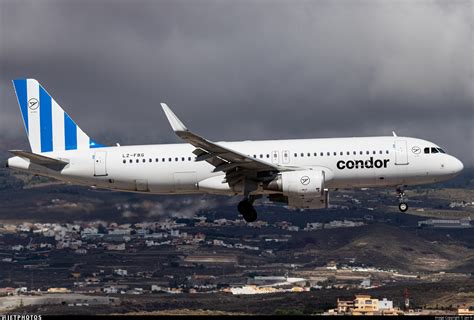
(251, 216)
(403, 207)
(247, 210)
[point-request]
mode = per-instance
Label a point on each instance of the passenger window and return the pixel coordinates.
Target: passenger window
(380, 152)
(189, 158)
(261, 156)
(386, 151)
(302, 154)
(329, 153)
(348, 153)
(268, 156)
(137, 161)
(321, 154)
(124, 161)
(163, 160)
(367, 152)
(361, 152)
(374, 152)
(355, 152)
(434, 150)
(156, 160)
(175, 159)
(182, 159)
(255, 156)
(309, 154)
(131, 160)
(169, 159)
(144, 160)
(315, 154)
(341, 153)
(427, 150)
(335, 153)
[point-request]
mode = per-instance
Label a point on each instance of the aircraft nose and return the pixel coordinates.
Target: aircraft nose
(456, 165)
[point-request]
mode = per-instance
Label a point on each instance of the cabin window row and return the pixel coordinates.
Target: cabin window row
(340, 153)
(315, 154)
(149, 160)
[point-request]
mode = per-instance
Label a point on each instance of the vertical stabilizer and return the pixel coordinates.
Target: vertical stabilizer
(48, 127)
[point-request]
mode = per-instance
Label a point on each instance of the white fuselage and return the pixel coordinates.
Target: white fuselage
(172, 169)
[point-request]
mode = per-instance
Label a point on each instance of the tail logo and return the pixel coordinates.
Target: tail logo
(33, 104)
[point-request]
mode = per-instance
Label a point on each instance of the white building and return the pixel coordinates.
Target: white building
(174, 233)
(123, 232)
(121, 272)
(385, 304)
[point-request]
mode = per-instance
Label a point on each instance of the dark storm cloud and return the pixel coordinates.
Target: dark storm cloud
(247, 69)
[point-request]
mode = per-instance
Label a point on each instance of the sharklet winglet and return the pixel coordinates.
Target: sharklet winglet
(174, 121)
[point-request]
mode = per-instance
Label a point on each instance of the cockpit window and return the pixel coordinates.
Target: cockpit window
(434, 150)
(427, 150)
(441, 150)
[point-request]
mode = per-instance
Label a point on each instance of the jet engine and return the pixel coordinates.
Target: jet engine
(300, 189)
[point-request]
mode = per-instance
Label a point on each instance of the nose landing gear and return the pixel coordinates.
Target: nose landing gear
(402, 206)
(247, 210)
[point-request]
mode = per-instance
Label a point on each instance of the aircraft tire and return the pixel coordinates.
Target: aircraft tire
(247, 210)
(403, 206)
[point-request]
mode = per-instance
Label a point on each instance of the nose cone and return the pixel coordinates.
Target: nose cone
(456, 165)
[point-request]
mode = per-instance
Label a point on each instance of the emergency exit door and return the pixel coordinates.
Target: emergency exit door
(286, 156)
(100, 166)
(275, 157)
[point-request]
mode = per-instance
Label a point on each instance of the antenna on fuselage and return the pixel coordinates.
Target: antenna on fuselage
(394, 134)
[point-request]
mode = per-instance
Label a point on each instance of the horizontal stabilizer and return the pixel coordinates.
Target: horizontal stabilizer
(38, 159)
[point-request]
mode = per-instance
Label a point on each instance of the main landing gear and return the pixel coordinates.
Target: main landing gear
(402, 206)
(247, 210)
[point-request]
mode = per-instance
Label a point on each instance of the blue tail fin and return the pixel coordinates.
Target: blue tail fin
(48, 127)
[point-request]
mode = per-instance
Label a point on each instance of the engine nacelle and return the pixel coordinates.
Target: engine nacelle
(303, 189)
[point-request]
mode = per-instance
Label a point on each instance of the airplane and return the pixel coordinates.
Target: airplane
(296, 172)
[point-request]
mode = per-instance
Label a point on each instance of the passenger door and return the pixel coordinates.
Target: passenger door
(100, 165)
(401, 154)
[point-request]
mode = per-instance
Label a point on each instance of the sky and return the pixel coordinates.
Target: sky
(243, 70)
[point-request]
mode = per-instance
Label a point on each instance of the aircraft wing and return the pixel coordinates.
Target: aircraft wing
(233, 163)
